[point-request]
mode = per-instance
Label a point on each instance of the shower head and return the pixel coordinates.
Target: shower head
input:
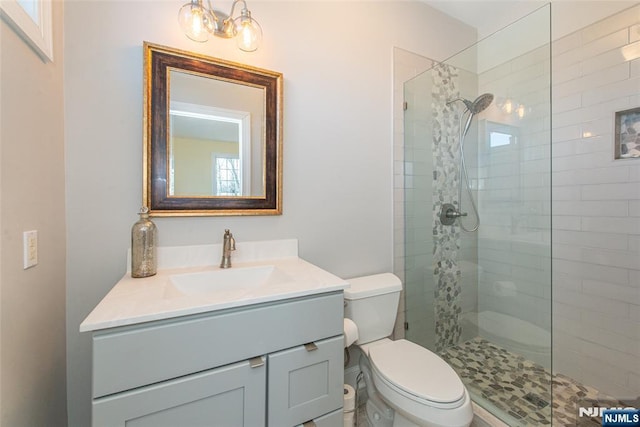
(475, 107)
(480, 103)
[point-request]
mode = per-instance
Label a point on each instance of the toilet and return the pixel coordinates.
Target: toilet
(407, 385)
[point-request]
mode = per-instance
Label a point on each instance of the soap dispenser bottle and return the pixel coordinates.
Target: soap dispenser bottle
(143, 246)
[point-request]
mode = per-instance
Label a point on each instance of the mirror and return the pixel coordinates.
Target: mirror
(212, 143)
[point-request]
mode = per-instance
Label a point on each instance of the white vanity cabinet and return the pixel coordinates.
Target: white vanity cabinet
(275, 364)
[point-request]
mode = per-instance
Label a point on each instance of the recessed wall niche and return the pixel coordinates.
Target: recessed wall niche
(627, 140)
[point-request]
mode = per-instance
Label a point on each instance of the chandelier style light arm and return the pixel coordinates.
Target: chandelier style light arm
(210, 8)
(233, 9)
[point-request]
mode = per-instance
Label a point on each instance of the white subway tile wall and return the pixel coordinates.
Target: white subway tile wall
(596, 207)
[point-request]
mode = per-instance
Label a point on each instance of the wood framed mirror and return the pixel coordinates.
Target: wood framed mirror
(212, 136)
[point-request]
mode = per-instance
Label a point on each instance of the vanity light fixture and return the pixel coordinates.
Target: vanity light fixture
(198, 22)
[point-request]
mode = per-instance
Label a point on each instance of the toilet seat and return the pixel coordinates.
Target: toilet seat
(417, 374)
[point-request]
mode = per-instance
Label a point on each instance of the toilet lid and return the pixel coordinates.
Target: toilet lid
(417, 371)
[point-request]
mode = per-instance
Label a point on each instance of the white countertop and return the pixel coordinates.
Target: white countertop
(133, 301)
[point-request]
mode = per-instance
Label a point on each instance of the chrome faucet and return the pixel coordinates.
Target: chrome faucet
(228, 245)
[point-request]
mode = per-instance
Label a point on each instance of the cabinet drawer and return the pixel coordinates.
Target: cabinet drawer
(333, 419)
(230, 396)
(133, 356)
(304, 384)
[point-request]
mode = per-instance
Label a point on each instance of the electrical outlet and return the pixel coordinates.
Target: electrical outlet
(30, 246)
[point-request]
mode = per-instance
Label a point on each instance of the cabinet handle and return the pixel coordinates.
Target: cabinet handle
(256, 362)
(310, 346)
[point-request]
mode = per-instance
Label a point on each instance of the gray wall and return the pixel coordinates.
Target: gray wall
(32, 197)
(337, 138)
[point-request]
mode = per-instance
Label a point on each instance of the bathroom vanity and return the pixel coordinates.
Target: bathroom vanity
(259, 344)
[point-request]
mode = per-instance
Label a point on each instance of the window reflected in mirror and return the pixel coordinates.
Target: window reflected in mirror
(205, 128)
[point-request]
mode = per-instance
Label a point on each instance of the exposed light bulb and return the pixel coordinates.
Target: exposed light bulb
(197, 24)
(248, 32)
(520, 111)
(195, 21)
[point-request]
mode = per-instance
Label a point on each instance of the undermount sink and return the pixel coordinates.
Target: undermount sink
(232, 279)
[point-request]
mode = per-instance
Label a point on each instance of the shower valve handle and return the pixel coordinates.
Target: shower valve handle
(455, 214)
(449, 213)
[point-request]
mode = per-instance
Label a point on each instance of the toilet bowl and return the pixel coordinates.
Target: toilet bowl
(407, 384)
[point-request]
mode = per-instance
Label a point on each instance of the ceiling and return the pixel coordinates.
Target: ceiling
(202, 129)
(488, 16)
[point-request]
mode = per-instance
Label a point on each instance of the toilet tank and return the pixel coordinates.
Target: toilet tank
(372, 303)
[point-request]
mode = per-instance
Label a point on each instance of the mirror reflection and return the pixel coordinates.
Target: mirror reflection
(212, 136)
(214, 139)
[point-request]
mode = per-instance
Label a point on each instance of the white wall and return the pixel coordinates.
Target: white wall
(596, 207)
(337, 138)
(32, 197)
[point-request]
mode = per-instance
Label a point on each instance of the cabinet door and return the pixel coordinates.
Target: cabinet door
(305, 382)
(230, 396)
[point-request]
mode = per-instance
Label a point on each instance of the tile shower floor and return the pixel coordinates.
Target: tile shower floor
(500, 379)
(520, 388)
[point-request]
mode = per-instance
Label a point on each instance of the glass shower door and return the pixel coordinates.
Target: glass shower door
(482, 300)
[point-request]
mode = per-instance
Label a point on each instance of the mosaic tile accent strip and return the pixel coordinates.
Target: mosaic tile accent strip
(446, 242)
(504, 381)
